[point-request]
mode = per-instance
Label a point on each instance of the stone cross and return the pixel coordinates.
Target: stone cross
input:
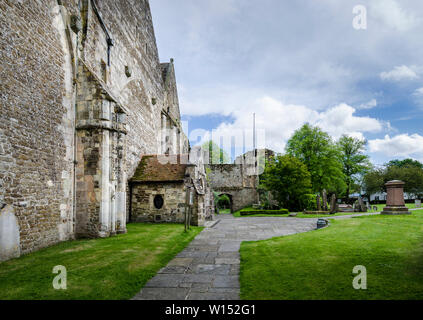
(319, 208)
(333, 206)
(325, 201)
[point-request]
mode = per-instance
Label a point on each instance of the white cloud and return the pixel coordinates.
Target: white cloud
(402, 145)
(368, 105)
(419, 92)
(341, 120)
(399, 73)
(390, 13)
(279, 121)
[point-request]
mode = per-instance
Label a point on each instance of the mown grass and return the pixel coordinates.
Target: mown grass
(299, 215)
(305, 216)
(318, 265)
(114, 268)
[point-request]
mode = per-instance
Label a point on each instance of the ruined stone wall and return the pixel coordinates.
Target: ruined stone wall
(36, 130)
(134, 76)
(53, 169)
(235, 181)
(143, 209)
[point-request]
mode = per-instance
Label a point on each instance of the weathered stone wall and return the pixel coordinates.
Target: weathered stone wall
(236, 181)
(36, 130)
(53, 167)
(143, 209)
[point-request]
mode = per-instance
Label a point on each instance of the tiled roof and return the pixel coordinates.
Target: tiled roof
(161, 168)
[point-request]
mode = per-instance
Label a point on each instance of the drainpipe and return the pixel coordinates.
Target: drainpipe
(110, 42)
(75, 162)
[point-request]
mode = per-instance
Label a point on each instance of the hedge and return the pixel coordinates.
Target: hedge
(269, 212)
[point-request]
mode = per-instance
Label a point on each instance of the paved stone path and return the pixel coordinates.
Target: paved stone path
(208, 269)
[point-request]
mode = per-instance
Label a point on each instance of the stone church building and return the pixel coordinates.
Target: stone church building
(84, 98)
(161, 189)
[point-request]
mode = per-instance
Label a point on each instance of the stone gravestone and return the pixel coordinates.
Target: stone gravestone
(325, 201)
(333, 206)
(395, 203)
(319, 208)
(418, 203)
(9, 234)
(362, 207)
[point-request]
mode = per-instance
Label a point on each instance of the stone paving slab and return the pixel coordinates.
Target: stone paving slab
(208, 269)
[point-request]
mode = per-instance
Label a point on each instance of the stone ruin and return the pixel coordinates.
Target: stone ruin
(84, 100)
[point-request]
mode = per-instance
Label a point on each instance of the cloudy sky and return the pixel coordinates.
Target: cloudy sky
(292, 62)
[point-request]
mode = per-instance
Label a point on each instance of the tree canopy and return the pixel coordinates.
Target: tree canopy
(405, 163)
(314, 147)
(288, 179)
(375, 180)
(216, 154)
(354, 161)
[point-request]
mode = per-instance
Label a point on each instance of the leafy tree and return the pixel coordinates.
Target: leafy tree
(316, 150)
(405, 163)
(216, 154)
(374, 181)
(354, 161)
(224, 202)
(288, 179)
(411, 175)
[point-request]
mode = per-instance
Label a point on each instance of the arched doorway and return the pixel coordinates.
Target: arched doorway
(225, 203)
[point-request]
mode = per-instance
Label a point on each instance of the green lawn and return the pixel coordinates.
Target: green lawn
(299, 215)
(381, 206)
(111, 268)
(302, 215)
(319, 264)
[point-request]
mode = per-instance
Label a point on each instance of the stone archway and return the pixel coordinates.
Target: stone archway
(234, 180)
(231, 202)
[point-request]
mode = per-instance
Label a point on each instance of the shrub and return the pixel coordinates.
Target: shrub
(250, 212)
(308, 202)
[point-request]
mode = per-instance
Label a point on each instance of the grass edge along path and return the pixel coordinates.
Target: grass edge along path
(318, 265)
(237, 214)
(114, 268)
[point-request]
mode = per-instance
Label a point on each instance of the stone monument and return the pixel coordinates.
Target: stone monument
(361, 206)
(395, 204)
(418, 203)
(319, 207)
(325, 201)
(333, 205)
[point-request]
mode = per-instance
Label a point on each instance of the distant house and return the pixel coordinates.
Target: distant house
(379, 196)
